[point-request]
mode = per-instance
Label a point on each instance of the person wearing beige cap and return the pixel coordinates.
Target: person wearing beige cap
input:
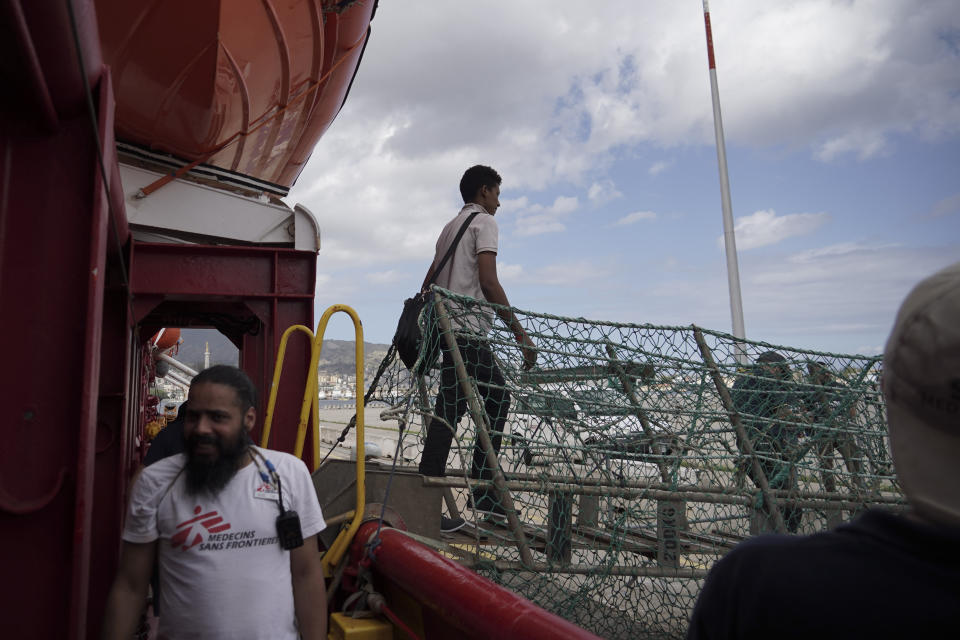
(883, 575)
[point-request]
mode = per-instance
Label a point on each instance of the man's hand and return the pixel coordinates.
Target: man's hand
(128, 595)
(493, 292)
(529, 351)
(787, 414)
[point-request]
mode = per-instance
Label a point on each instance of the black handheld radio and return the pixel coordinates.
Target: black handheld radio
(288, 530)
(288, 522)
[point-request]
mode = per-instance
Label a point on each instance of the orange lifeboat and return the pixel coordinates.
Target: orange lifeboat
(165, 340)
(245, 85)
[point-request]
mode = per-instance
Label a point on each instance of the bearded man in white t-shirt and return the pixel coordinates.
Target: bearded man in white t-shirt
(472, 271)
(214, 518)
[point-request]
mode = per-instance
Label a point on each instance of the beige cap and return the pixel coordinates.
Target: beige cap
(921, 385)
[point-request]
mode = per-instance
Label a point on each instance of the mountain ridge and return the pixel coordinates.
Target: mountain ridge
(336, 356)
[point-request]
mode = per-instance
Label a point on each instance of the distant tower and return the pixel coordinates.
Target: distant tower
(206, 355)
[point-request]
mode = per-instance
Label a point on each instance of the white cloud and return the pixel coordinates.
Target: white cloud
(538, 225)
(331, 289)
(866, 145)
(560, 97)
(633, 218)
(567, 274)
(839, 249)
(869, 349)
(386, 277)
(836, 292)
(565, 204)
(946, 207)
(537, 219)
(659, 167)
(838, 299)
(509, 272)
(765, 227)
(603, 192)
(515, 204)
(557, 93)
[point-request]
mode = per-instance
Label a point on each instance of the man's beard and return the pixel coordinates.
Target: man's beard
(210, 476)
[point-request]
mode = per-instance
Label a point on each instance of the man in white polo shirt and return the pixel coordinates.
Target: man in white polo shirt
(224, 520)
(472, 271)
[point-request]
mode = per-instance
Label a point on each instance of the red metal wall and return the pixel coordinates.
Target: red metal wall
(250, 294)
(77, 300)
(55, 241)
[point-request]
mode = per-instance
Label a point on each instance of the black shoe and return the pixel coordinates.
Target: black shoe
(486, 505)
(449, 525)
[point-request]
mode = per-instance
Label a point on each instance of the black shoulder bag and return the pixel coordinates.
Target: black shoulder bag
(408, 339)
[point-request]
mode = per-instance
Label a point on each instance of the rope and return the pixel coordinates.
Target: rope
(384, 364)
(375, 540)
(395, 619)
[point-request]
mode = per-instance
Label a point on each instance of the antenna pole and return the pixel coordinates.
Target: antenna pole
(729, 241)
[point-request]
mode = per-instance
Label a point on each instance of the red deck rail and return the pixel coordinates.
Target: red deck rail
(474, 605)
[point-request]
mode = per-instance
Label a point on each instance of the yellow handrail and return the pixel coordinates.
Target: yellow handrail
(339, 546)
(275, 383)
(311, 401)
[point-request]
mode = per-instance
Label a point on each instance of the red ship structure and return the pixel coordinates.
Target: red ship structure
(145, 149)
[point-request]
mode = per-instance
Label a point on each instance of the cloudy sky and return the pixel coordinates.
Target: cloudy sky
(842, 123)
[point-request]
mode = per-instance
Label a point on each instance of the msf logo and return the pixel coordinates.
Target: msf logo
(210, 521)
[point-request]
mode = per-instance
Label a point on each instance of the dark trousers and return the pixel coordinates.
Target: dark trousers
(848, 449)
(780, 475)
(452, 404)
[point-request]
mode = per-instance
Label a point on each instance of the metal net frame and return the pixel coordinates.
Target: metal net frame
(604, 482)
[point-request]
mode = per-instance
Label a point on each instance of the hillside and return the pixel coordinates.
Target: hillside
(336, 357)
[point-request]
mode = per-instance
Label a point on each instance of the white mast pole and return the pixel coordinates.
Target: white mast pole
(733, 271)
